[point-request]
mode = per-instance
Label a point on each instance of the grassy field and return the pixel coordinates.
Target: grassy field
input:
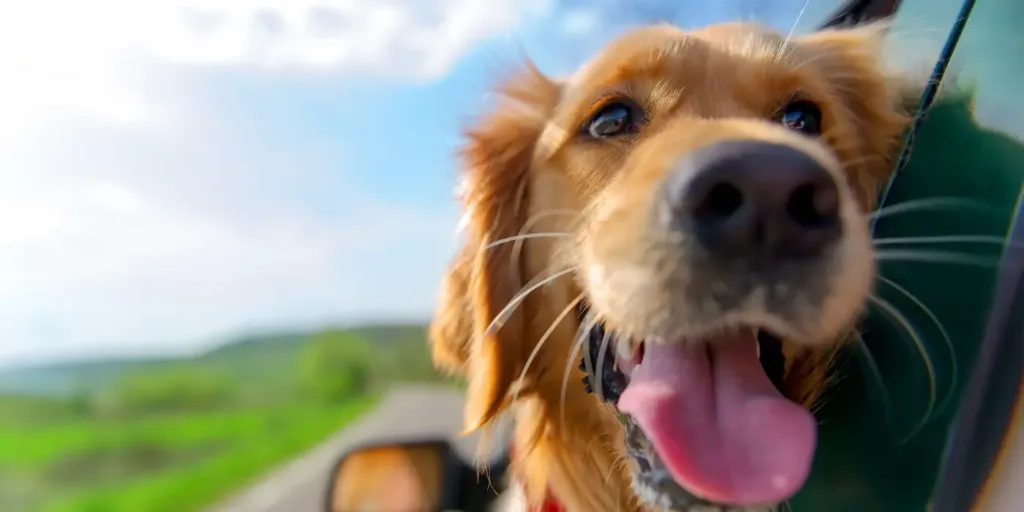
(179, 435)
(176, 463)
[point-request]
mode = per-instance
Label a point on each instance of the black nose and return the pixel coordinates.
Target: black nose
(754, 199)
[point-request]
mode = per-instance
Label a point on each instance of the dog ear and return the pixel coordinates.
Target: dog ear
(880, 97)
(860, 12)
(451, 331)
(477, 331)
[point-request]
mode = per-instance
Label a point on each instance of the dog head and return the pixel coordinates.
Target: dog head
(703, 195)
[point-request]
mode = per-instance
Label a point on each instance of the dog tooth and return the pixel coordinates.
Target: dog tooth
(626, 350)
(756, 344)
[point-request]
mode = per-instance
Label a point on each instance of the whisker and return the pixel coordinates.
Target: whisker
(954, 370)
(503, 315)
(517, 248)
(792, 29)
(876, 372)
(814, 58)
(548, 213)
(525, 236)
(577, 346)
(599, 371)
(852, 162)
(936, 257)
(502, 241)
(898, 317)
(540, 343)
(943, 239)
(924, 204)
(618, 464)
(583, 333)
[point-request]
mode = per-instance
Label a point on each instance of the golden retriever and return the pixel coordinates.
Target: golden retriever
(696, 202)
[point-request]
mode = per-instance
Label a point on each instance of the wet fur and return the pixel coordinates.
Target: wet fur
(524, 171)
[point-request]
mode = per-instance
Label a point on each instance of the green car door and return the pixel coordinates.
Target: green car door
(885, 428)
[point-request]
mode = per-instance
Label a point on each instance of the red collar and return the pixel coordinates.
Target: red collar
(550, 504)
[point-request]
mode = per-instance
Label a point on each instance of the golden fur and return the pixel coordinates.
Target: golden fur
(524, 172)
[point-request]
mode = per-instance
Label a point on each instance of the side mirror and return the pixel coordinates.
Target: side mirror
(414, 476)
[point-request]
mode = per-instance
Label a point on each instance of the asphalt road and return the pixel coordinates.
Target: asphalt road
(300, 485)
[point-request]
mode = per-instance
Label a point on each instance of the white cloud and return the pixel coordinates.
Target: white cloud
(133, 214)
(409, 38)
(86, 56)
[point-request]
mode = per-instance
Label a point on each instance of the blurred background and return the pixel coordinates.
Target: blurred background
(223, 223)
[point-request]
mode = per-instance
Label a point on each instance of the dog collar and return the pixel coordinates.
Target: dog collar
(550, 504)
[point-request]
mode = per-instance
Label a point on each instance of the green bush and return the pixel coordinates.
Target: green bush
(336, 366)
(408, 361)
(174, 388)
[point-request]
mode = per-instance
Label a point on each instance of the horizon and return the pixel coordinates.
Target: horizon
(226, 339)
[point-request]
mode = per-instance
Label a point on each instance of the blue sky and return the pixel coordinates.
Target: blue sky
(176, 172)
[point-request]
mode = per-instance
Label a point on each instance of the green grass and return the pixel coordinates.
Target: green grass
(180, 463)
(178, 434)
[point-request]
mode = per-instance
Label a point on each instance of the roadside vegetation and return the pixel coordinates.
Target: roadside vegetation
(180, 434)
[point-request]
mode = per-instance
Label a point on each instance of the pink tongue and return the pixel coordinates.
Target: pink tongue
(718, 424)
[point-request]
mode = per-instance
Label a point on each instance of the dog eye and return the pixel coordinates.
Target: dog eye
(613, 119)
(802, 116)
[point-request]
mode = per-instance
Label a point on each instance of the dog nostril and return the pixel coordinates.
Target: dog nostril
(754, 200)
(722, 201)
(814, 205)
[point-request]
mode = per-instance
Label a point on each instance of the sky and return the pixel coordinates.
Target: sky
(173, 172)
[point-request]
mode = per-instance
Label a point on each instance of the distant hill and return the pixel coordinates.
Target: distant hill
(69, 377)
(253, 356)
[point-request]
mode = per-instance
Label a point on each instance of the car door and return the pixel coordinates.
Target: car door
(885, 429)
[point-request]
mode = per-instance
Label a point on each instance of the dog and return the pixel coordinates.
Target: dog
(698, 201)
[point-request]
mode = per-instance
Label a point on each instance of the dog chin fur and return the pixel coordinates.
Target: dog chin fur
(525, 169)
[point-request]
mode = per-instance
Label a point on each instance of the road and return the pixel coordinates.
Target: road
(300, 485)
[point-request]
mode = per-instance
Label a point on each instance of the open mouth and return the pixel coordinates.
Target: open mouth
(708, 413)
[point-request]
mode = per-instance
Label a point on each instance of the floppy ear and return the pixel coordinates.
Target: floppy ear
(485, 277)
(451, 331)
(880, 98)
(859, 12)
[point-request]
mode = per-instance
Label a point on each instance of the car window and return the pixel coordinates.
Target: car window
(990, 58)
(875, 455)
(989, 62)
